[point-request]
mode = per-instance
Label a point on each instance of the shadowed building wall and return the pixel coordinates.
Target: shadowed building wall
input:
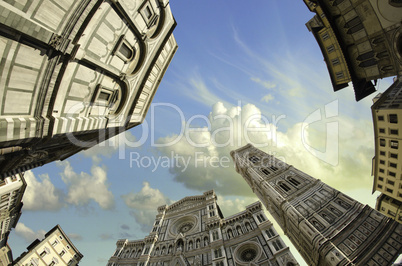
(74, 73)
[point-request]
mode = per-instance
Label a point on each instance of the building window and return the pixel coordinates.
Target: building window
(52, 263)
(382, 153)
(335, 61)
(261, 218)
(62, 253)
(393, 155)
(391, 213)
(124, 50)
(215, 235)
(391, 182)
(265, 171)
(147, 12)
(43, 253)
(294, 181)
(220, 263)
(211, 214)
(273, 168)
(218, 253)
(54, 243)
(393, 165)
(390, 190)
(382, 142)
(393, 131)
(254, 159)
(284, 186)
(277, 245)
(391, 174)
(339, 75)
(381, 178)
(380, 118)
(239, 231)
(270, 233)
(382, 162)
(382, 130)
(379, 186)
(325, 36)
(393, 118)
(330, 48)
(394, 144)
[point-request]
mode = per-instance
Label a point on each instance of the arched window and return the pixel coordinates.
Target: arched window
(157, 251)
(239, 231)
(170, 249)
(294, 181)
(139, 253)
(270, 233)
(230, 233)
(284, 186)
(277, 245)
(163, 250)
(127, 253)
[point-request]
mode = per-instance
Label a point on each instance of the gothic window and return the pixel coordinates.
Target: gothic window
(260, 218)
(273, 168)
(294, 181)
(230, 233)
(265, 171)
(284, 186)
(254, 159)
(218, 253)
(215, 235)
(277, 245)
(270, 233)
(239, 231)
(139, 253)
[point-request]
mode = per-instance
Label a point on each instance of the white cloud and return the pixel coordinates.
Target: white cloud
(76, 237)
(144, 204)
(205, 147)
(230, 206)
(147, 199)
(267, 98)
(109, 147)
(28, 234)
(41, 194)
(84, 187)
(266, 84)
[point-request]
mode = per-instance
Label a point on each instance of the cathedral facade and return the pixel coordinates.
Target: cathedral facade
(193, 231)
(74, 73)
(326, 226)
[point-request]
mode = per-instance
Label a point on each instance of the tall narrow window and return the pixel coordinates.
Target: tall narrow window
(270, 233)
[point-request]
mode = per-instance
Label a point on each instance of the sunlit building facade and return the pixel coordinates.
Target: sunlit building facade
(326, 226)
(74, 73)
(361, 41)
(387, 166)
(11, 192)
(55, 249)
(193, 231)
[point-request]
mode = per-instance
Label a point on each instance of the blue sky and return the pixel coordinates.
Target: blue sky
(237, 60)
